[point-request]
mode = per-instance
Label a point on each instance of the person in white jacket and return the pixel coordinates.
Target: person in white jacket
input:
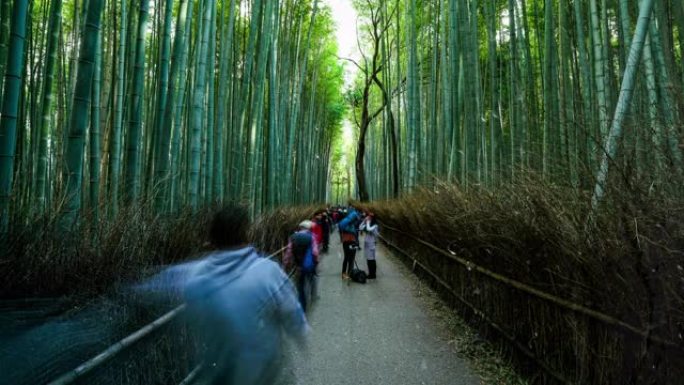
(369, 227)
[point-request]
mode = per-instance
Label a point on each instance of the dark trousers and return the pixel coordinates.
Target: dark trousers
(349, 254)
(306, 286)
(326, 241)
(371, 268)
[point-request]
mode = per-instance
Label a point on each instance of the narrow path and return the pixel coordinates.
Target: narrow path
(380, 332)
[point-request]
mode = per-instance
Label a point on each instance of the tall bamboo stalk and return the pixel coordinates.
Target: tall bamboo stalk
(78, 119)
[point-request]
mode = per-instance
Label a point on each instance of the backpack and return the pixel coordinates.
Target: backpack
(348, 224)
(302, 250)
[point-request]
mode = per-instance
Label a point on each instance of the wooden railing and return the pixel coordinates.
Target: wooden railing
(133, 339)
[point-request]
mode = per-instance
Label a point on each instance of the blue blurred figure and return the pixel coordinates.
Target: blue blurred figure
(240, 303)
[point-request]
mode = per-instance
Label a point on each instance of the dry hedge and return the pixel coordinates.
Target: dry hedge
(38, 259)
(626, 263)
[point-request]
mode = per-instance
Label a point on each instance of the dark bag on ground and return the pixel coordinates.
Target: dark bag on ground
(358, 275)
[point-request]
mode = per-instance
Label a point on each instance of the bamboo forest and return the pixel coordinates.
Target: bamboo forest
(522, 161)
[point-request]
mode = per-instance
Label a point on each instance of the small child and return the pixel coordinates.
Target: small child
(370, 228)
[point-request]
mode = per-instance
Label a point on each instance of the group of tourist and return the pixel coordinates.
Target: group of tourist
(241, 304)
(313, 237)
(351, 223)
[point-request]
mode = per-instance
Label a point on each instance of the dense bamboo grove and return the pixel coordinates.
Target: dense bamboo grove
(480, 91)
(178, 103)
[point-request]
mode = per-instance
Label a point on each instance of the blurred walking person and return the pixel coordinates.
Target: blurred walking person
(322, 231)
(239, 303)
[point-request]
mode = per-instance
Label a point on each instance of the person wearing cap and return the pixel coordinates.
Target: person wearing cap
(302, 254)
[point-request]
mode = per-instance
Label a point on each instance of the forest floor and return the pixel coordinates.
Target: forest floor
(392, 330)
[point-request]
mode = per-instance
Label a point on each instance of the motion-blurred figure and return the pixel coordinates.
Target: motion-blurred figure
(240, 304)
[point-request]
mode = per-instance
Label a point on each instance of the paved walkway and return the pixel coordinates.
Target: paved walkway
(377, 333)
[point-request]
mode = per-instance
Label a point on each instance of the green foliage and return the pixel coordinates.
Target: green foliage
(154, 104)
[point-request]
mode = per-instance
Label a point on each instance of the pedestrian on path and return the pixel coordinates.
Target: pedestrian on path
(317, 229)
(369, 227)
(350, 240)
(323, 222)
(240, 304)
(302, 252)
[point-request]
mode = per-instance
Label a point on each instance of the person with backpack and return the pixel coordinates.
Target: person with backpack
(348, 228)
(369, 227)
(302, 252)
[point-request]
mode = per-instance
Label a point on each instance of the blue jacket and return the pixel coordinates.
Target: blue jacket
(241, 304)
(350, 223)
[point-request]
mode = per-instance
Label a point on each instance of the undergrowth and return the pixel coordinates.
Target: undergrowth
(39, 259)
(625, 261)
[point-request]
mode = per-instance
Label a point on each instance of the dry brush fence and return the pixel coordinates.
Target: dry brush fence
(590, 304)
(42, 342)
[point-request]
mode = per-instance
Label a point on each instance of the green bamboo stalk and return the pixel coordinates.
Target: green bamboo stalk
(257, 140)
(94, 145)
(10, 108)
(273, 127)
(115, 142)
(624, 101)
(5, 17)
(494, 118)
(168, 124)
(199, 94)
(550, 133)
(667, 104)
(78, 119)
(181, 99)
(585, 84)
(210, 119)
(134, 134)
(599, 71)
(162, 127)
(54, 26)
(225, 83)
(297, 96)
(455, 112)
(413, 106)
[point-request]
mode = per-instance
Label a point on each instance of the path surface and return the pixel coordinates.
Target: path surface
(377, 333)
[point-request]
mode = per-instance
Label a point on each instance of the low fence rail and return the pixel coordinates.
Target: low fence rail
(516, 341)
(131, 340)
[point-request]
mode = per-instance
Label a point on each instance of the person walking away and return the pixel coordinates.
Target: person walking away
(317, 229)
(350, 241)
(242, 332)
(369, 227)
(302, 252)
(321, 231)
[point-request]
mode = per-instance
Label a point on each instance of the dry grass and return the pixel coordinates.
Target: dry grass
(626, 263)
(85, 267)
(40, 260)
